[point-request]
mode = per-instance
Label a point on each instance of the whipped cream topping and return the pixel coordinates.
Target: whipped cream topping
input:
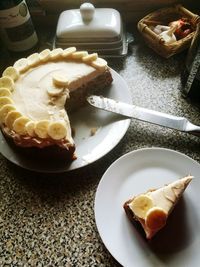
(37, 88)
(30, 94)
(167, 196)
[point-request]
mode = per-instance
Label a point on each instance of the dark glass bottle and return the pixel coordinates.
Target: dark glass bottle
(16, 28)
(190, 77)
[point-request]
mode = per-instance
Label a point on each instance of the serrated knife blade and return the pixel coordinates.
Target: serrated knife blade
(143, 114)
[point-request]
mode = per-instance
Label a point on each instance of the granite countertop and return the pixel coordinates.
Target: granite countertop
(48, 220)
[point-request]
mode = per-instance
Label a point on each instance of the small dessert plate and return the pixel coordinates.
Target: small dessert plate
(177, 244)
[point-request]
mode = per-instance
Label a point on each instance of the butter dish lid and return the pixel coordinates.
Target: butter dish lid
(89, 23)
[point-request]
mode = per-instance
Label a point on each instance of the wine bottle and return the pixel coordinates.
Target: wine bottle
(190, 77)
(16, 28)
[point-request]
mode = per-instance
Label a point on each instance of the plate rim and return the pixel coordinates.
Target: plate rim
(133, 152)
(126, 125)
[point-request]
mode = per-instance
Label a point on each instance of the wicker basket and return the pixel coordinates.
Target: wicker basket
(163, 17)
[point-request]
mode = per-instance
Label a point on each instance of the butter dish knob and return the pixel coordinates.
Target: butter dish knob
(87, 11)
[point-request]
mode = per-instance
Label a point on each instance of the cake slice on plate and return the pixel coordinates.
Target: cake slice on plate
(151, 209)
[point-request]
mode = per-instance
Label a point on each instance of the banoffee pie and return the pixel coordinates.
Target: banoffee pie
(38, 92)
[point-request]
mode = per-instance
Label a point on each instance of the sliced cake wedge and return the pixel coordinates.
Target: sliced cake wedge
(151, 209)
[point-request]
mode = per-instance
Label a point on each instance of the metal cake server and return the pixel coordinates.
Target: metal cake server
(178, 123)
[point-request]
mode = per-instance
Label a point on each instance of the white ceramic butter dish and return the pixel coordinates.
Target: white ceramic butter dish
(103, 23)
(92, 29)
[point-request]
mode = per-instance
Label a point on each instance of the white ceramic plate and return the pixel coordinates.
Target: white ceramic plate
(136, 172)
(110, 130)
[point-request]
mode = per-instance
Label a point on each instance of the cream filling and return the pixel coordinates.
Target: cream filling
(31, 97)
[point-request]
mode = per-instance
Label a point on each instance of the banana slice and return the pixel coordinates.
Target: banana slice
(99, 64)
(7, 82)
(21, 65)
(90, 57)
(45, 55)
(5, 92)
(54, 91)
(155, 218)
(19, 125)
(68, 51)
(41, 128)
(60, 80)
(57, 130)
(79, 54)
(5, 100)
(33, 60)
(140, 205)
(56, 53)
(5, 110)
(11, 117)
(30, 128)
(11, 72)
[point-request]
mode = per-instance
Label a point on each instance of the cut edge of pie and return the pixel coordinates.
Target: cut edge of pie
(151, 209)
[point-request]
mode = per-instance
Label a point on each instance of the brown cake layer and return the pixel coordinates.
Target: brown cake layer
(78, 96)
(133, 219)
(52, 152)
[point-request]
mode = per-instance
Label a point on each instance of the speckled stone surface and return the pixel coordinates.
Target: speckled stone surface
(48, 220)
